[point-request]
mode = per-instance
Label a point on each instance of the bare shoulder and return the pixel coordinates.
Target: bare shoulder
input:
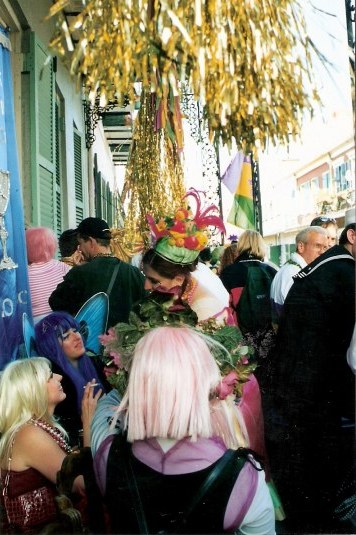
(30, 436)
(32, 447)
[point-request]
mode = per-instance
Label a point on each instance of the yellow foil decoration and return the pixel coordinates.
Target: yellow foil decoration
(247, 61)
(154, 181)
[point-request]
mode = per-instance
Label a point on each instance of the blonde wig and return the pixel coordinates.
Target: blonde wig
(23, 395)
(251, 242)
(172, 390)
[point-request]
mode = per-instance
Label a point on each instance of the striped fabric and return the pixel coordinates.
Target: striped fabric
(44, 278)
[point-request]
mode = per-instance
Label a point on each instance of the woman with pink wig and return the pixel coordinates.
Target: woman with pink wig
(177, 434)
(44, 271)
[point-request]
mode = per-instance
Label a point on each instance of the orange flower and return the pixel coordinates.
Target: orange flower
(181, 214)
(161, 225)
(202, 239)
(180, 242)
(178, 235)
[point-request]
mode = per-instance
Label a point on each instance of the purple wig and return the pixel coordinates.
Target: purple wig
(48, 332)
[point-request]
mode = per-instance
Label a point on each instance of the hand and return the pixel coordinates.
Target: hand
(89, 403)
(78, 258)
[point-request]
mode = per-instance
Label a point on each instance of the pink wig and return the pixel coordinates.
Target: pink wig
(172, 387)
(41, 244)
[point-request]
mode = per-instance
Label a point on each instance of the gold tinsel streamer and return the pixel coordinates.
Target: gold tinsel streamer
(154, 180)
(247, 61)
(117, 247)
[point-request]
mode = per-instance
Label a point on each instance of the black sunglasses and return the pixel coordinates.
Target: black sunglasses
(319, 220)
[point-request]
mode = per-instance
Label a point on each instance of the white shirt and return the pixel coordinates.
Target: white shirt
(210, 297)
(283, 280)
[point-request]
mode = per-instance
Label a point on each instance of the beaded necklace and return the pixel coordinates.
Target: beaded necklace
(101, 254)
(189, 290)
(55, 433)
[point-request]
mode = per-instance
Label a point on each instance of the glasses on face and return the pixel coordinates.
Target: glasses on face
(318, 220)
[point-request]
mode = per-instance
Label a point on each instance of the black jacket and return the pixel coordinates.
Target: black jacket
(309, 405)
(319, 314)
(82, 282)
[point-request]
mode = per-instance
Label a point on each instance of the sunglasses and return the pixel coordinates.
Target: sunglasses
(319, 220)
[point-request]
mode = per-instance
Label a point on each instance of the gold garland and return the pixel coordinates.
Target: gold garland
(154, 180)
(247, 61)
(117, 247)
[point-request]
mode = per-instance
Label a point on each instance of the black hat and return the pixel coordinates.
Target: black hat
(94, 227)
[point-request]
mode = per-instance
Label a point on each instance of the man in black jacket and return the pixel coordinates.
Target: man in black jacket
(98, 274)
(309, 408)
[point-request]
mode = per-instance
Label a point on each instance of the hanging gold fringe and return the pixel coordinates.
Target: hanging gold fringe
(154, 181)
(247, 61)
(117, 247)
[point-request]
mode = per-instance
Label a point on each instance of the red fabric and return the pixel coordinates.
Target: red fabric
(251, 409)
(235, 294)
(29, 503)
(24, 481)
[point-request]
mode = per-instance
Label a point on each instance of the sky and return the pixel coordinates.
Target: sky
(327, 27)
(333, 122)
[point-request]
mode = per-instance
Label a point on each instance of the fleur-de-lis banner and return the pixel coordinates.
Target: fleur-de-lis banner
(14, 290)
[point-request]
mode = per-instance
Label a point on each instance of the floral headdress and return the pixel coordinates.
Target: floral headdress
(181, 236)
(233, 354)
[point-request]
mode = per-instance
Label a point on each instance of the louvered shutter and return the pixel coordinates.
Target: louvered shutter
(57, 139)
(104, 189)
(78, 177)
(98, 184)
(110, 208)
(39, 65)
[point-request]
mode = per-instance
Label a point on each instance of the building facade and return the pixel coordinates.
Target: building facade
(315, 177)
(65, 177)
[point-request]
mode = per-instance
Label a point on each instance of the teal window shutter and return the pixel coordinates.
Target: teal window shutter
(98, 185)
(110, 208)
(41, 100)
(78, 176)
(58, 168)
(104, 189)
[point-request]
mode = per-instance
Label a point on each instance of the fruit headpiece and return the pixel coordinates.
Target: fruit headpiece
(181, 237)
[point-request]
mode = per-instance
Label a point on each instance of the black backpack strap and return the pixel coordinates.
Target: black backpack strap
(135, 493)
(222, 466)
(229, 457)
(113, 278)
(119, 459)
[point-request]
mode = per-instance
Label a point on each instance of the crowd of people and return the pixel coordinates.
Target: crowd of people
(190, 442)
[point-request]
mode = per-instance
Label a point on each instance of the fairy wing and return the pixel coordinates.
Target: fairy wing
(28, 332)
(93, 317)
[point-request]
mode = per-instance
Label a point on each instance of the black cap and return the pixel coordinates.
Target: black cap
(94, 227)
